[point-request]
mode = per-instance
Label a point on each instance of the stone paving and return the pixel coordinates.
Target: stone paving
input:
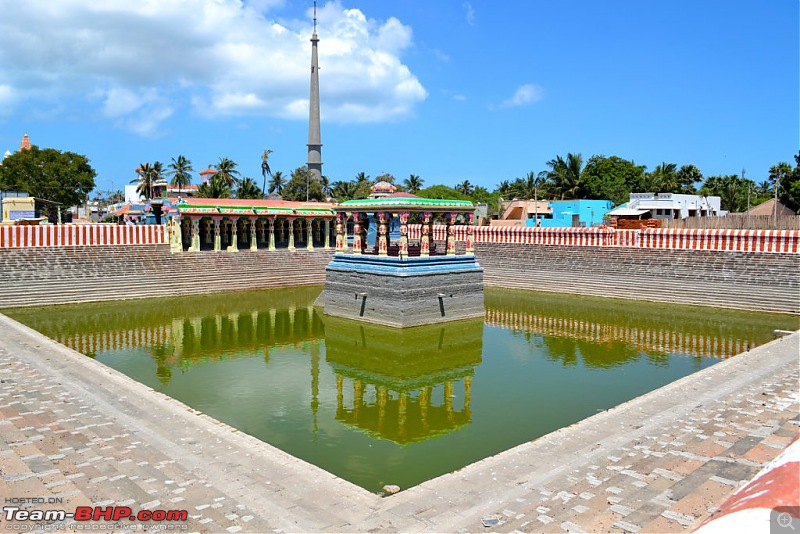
(74, 430)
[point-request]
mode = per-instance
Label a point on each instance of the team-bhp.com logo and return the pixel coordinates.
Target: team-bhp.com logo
(14, 515)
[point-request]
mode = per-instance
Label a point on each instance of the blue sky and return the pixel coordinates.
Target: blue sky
(450, 90)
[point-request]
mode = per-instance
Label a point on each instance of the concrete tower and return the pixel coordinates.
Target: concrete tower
(314, 142)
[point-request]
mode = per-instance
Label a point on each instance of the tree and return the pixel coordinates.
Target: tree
(302, 185)
(325, 183)
(146, 177)
(611, 178)
(265, 170)
(344, 191)
(566, 175)
(442, 191)
(464, 188)
(181, 172)
(788, 182)
(276, 183)
(413, 183)
(63, 177)
(214, 188)
(688, 176)
(504, 188)
(226, 171)
(731, 189)
(247, 188)
(385, 177)
(530, 186)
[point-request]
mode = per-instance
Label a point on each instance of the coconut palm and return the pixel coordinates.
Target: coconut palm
(566, 175)
(362, 178)
(248, 189)
(464, 187)
(145, 178)
(276, 183)
(214, 188)
(504, 188)
(326, 185)
(226, 171)
(344, 191)
(528, 188)
(181, 172)
(265, 170)
(413, 183)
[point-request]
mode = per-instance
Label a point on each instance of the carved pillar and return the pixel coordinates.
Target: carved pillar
(272, 233)
(327, 234)
(209, 232)
(291, 232)
(253, 237)
(309, 234)
(282, 233)
(234, 246)
(357, 233)
(471, 234)
(341, 238)
(217, 243)
(425, 238)
(195, 246)
(403, 234)
(451, 236)
(381, 233)
(175, 236)
(262, 231)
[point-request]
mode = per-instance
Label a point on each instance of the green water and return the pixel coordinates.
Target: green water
(382, 406)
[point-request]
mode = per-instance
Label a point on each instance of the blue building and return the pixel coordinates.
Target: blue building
(574, 213)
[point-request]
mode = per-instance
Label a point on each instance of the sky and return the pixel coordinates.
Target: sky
(449, 90)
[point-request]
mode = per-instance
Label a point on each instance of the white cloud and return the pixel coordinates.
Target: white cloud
(470, 13)
(525, 94)
(219, 57)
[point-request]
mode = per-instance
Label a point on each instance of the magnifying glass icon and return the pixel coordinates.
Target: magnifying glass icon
(785, 520)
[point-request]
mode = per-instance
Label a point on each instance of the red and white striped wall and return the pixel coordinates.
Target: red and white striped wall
(779, 241)
(65, 235)
(750, 509)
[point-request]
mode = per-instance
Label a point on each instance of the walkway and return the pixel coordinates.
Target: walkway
(74, 429)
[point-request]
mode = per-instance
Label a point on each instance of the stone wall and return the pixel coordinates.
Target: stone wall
(758, 281)
(744, 280)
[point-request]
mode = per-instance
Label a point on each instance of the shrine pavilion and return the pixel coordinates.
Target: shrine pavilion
(233, 224)
(402, 283)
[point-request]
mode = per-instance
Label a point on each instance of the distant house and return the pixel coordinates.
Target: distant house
(668, 206)
(574, 213)
(518, 212)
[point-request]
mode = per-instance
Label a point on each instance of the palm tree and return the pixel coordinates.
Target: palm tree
(326, 185)
(276, 183)
(528, 188)
(344, 191)
(665, 178)
(145, 178)
(504, 188)
(362, 178)
(413, 183)
(214, 188)
(248, 189)
(226, 171)
(180, 170)
(567, 175)
(265, 170)
(464, 187)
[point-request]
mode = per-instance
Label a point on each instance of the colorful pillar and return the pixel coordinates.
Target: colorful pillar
(234, 246)
(291, 233)
(217, 239)
(403, 234)
(383, 247)
(341, 238)
(175, 236)
(327, 234)
(425, 239)
(357, 233)
(471, 234)
(451, 237)
(272, 233)
(309, 233)
(195, 246)
(253, 237)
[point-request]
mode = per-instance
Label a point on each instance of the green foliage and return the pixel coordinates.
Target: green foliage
(303, 181)
(442, 191)
(277, 182)
(788, 180)
(465, 188)
(50, 174)
(343, 191)
(226, 171)
(247, 188)
(732, 190)
(413, 183)
(566, 176)
(611, 178)
(181, 171)
(214, 188)
(385, 177)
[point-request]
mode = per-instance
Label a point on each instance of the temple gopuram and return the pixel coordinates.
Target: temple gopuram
(232, 224)
(393, 281)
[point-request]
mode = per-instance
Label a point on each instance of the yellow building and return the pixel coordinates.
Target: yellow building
(17, 209)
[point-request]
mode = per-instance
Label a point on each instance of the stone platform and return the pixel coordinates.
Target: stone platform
(403, 292)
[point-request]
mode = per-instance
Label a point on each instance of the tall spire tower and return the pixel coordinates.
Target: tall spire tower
(314, 142)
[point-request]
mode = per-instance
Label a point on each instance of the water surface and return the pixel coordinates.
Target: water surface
(377, 405)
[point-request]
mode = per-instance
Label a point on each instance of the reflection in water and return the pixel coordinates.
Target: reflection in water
(363, 402)
(403, 381)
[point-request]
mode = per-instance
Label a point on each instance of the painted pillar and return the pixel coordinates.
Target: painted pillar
(291, 233)
(425, 239)
(451, 237)
(208, 234)
(217, 239)
(272, 233)
(195, 246)
(309, 234)
(471, 234)
(234, 246)
(262, 231)
(327, 234)
(341, 238)
(382, 245)
(403, 234)
(356, 233)
(253, 237)
(176, 236)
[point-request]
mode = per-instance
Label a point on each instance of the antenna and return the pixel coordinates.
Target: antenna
(315, 16)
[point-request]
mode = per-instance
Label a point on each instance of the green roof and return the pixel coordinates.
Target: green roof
(405, 204)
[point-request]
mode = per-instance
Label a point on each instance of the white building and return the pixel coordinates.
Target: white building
(669, 206)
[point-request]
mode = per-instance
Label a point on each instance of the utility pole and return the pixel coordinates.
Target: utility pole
(748, 199)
